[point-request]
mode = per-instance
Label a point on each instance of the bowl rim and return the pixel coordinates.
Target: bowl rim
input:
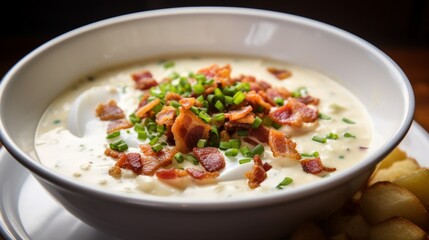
(46, 175)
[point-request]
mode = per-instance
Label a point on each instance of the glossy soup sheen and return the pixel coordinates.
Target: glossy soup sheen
(82, 158)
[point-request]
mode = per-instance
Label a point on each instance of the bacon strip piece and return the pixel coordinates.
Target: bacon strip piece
(166, 116)
(308, 100)
(109, 111)
(143, 80)
(173, 173)
(239, 113)
(273, 93)
(294, 113)
(117, 125)
(146, 108)
(187, 102)
(279, 73)
(112, 153)
(210, 158)
(221, 75)
(131, 161)
(188, 129)
(152, 161)
(261, 133)
(314, 166)
(200, 174)
(256, 100)
(282, 146)
(257, 174)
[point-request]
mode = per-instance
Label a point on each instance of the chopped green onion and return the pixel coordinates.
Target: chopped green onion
(258, 149)
(229, 100)
(204, 116)
(214, 130)
(218, 93)
(160, 129)
(198, 88)
(201, 78)
(210, 98)
(157, 108)
(154, 141)
(257, 122)
(219, 117)
(276, 125)
(113, 135)
(239, 97)
(157, 147)
(191, 158)
(142, 135)
(173, 75)
(174, 103)
(200, 99)
(232, 152)
(138, 127)
(244, 150)
(346, 120)
(169, 64)
(319, 139)
(179, 157)
(201, 143)
(234, 143)
(349, 135)
(122, 147)
(244, 160)
(324, 116)
(134, 119)
(267, 121)
(284, 183)
(224, 145)
(332, 136)
(279, 101)
(229, 90)
(341, 157)
(313, 154)
(219, 105)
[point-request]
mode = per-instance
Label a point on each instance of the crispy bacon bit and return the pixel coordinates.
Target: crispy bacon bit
(261, 133)
(112, 153)
(109, 111)
(248, 119)
(254, 85)
(171, 173)
(220, 74)
(256, 100)
(258, 174)
(282, 146)
(172, 96)
(308, 100)
(294, 113)
(117, 125)
(115, 171)
(224, 136)
(273, 93)
(267, 166)
(166, 116)
(200, 174)
(187, 102)
(152, 161)
(143, 80)
(314, 166)
(250, 141)
(146, 108)
(210, 158)
(188, 129)
(239, 113)
(135, 163)
(280, 74)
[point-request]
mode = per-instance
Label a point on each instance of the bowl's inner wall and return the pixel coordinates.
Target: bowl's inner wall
(55, 66)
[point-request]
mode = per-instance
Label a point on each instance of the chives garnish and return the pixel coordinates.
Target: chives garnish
(173, 75)
(346, 120)
(219, 105)
(229, 90)
(332, 136)
(238, 97)
(244, 160)
(229, 100)
(169, 64)
(191, 158)
(286, 181)
(219, 117)
(195, 110)
(341, 157)
(157, 147)
(210, 98)
(198, 88)
(319, 139)
(200, 99)
(113, 135)
(244, 150)
(175, 104)
(224, 145)
(205, 116)
(324, 116)
(142, 135)
(349, 135)
(232, 152)
(201, 78)
(218, 93)
(214, 130)
(313, 154)
(201, 143)
(257, 122)
(56, 121)
(258, 149)
(153, 141)
(179, 157)
(234, 143)
(242, 132)
(279, 101)
(138, 127)
(122, 147)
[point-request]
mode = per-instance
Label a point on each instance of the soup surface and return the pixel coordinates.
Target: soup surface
(203, 128)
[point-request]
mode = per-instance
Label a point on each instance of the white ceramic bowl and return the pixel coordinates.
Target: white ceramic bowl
(36, 80)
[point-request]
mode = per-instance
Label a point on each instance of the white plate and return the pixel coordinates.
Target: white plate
(27, 211)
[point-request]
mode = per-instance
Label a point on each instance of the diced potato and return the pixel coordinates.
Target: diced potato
(308, 231)
(396, 170)
(417, 182)
(394, 156)
(351, 224)
(397, 228)
(384, 200)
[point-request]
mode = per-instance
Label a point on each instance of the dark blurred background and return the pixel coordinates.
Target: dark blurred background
(400, 28)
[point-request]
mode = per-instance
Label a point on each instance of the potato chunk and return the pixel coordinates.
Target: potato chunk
(397, 169)
(417, 182)
(397, 228)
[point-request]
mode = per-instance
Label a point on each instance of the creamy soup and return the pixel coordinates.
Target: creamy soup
(203, 127)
